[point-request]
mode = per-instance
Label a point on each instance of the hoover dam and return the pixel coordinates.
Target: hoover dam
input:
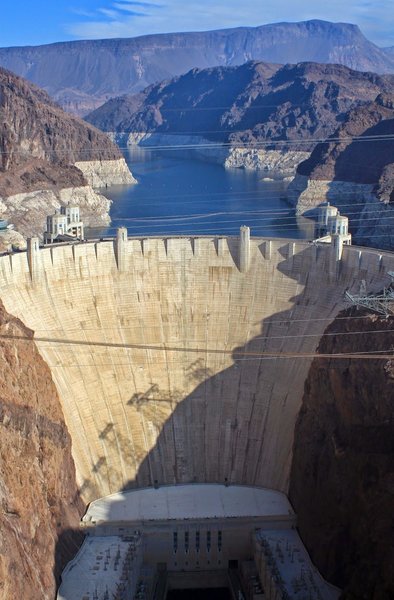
(183, 360)
(159, 349)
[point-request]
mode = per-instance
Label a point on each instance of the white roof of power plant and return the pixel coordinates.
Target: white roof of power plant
(194, 501)
(97, 571)
(289, 560)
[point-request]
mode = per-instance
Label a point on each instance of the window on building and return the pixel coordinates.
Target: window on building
(219, 541)
(175, 541)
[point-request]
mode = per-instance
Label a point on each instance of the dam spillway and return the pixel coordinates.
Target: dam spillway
(159, 349)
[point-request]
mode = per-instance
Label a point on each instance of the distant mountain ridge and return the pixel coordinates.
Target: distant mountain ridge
(246, 104)
(82, 75)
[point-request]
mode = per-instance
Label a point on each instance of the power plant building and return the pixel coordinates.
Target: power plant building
(144, 543)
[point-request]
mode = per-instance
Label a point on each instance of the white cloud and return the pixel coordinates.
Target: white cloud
(131, 6)
(82, 13)
(122, 18)
(107, 12)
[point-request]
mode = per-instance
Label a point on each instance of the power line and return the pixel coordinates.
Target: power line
(207, 108)
(374, 354)
(215, 144)
(247, 342)
(270, 211)
(276, 222)
(161, 221)
(263, 143)
(187, 108)
(266, 321)
(233, 231)
(264, 195)
(256, 215)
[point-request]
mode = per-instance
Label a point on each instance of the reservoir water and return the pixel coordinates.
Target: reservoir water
(191, 197)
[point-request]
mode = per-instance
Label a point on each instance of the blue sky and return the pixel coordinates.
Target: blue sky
(31, 22)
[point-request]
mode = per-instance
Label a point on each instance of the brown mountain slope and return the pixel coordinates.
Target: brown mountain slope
(39, 142)
(364, 159)
(354, 170)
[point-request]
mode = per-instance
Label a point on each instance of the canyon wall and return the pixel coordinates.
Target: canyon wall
(342, 477)
(370, 219)
(157, 349)
(28, 210)
(273, 162)
(39, 501)
(354, 169)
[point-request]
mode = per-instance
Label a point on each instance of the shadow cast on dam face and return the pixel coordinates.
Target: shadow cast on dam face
(237, 425)
(229, 428)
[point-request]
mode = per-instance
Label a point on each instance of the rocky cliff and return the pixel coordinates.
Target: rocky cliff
(363, 159)
(44, 149)
(39, 502)
(84, 74)
(342, 477)
(254, 108)
(354, 169)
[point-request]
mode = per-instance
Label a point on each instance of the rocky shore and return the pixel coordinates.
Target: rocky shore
(273, 162)
(104, 173)
(28, 211)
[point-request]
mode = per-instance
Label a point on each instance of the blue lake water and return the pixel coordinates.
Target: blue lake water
(191, 197)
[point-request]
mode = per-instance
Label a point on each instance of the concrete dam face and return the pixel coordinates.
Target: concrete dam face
(160, 350)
